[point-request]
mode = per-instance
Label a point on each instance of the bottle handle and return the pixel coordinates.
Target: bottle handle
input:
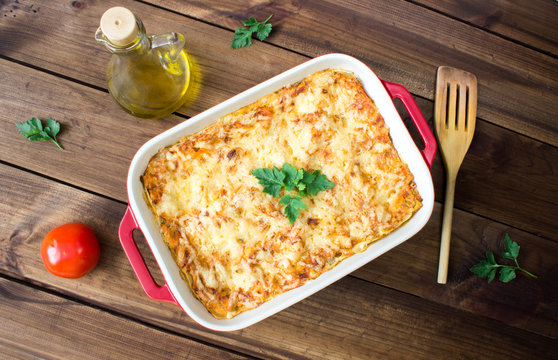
(173, 42)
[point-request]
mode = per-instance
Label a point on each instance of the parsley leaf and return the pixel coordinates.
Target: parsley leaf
(307, 178)
(34, 131)
(293, 204)
(303, 181)
(270, 179)
(486, 268)
(507, 274)
(511, 247)
(252, 24)
(316, 182)
(489, 267)
(243, 36)
(292, 176)
(491, 274)
(263, 29)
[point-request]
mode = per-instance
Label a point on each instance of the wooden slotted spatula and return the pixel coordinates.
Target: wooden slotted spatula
(455, 114)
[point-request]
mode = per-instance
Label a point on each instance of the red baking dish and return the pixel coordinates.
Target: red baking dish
(138, 215)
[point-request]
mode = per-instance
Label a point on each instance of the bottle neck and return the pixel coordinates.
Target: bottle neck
(140, 45)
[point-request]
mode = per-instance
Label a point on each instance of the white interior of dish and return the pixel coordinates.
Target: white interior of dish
(401, 139)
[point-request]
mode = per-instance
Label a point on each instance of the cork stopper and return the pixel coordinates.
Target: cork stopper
(119, 26)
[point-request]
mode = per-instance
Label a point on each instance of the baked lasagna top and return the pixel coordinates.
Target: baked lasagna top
(232, 242)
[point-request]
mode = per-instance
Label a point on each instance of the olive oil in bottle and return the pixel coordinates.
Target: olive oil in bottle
(147, 75)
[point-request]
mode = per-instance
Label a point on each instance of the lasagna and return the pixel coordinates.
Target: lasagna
(231, 241)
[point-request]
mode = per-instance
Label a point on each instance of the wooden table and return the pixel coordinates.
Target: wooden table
(50, 66)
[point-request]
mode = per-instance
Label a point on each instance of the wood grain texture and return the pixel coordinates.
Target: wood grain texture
(455, 119)
(493, 192)
(113, 284)
(501, 170)
(36, 37)
(405, 43)
(402, 42)
(525, 156)
(528, 22)
(503, 176)
(36, 324)
(390, 308)
(523, 303)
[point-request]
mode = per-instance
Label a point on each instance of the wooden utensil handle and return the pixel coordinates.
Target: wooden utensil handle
(446, 230)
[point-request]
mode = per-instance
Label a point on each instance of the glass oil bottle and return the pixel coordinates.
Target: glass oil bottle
(147, 75)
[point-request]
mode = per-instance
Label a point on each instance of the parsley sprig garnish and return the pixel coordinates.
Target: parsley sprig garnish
(243, 36)
(293, 205)
(304, 182)
(488, 267)
(34, 131)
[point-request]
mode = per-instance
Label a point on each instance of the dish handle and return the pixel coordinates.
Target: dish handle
(430, 145)
(147, 282)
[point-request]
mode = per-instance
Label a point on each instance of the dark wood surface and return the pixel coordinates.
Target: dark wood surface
(50, 66)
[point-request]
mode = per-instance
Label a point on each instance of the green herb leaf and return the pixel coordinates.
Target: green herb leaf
(270, 179)
(293, 204)
(243, 36)
(307, 178)
(490, 257)
(252, 23)
(30, 127)
(488, 267)
(318, 182)
(303, 181)
(33, 130)
(292, 176)
(507, 273)
(483, 268)
(491, 275)
(263, 30)
(511, 248)
(52, 127)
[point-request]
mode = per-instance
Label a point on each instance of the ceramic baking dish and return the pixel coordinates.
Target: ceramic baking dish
(176, 290)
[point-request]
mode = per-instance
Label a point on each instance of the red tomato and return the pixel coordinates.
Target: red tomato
(70, 250)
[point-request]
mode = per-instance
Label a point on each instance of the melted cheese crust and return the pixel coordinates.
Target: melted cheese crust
(232, 242)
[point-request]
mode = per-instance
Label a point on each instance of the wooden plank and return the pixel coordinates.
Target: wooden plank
(15, 354)
(497, 177)
(530, 23)
(108, 139)
(377, 308)
(526, 303)
(410, 267)
(405, 43)
(41, 325)
(402, 42)
(500, 171)
(218, 71)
